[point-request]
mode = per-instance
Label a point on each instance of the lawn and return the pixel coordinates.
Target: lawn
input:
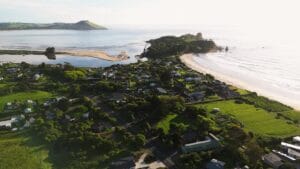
(22, 96)
(15, 152)
(255, 119)
(164, 124)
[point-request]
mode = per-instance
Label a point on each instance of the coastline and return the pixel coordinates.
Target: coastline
(189, 61)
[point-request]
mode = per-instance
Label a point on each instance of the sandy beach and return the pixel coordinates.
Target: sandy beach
(98, 54)
(188, 60)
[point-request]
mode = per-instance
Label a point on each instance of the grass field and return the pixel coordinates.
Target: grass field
(22, 96)
(15, 152)
(255, 119)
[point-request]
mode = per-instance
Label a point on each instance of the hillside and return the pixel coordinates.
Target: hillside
(81, 25)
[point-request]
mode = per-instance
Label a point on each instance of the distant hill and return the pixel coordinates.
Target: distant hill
(81, 25)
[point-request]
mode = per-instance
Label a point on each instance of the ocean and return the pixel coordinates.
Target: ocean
(112, 41)
(265, 58)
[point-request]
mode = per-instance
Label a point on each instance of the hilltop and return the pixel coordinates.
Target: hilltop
(81, 25)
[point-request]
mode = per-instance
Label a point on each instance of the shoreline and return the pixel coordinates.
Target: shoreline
(76, 53)
(188, 60)
(98, 54)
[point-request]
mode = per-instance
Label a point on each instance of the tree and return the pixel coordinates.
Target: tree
(204, 123)
(106, 86)
(63, 104)
(140, 140)
(287, 166)
(193, 111)
(190, 161)
(74, 75)
(253, 152)
(235, 135)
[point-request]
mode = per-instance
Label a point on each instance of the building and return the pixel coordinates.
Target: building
(215, 164)
(36, 77)
(86, 115)
(161, 90)
(8, 123)
(287, 145)
(123, 163)
(272, 160)
(211, 142)
(196, 96)
(296, 139)
(28, 110)
(293, 153)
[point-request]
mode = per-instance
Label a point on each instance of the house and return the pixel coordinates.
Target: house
(153, 84)
(117, 97)
(161, 90)
(196, 96)
(8, 123)
(215, 164)
(188, 79)
(32, 120)
(27, 110)
(293, 153)
(20, 75)
(175, 74)
(284, 155)
(296, 139)
(29, 102)
(9, 105)
(12, 70)
(215, 110)
(86, 115)
(123, 163)
(211, 142)
(193, 79)
(272, 160)
(50, 115)
(27, 124)
(287, 145)
(36, 77)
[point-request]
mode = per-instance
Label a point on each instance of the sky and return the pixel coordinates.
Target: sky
(160, 12)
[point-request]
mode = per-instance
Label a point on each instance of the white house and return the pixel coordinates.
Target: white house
(8, 123)
(28, 110)
(36, 77)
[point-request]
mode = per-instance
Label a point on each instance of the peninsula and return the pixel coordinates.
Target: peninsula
(81, 25)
